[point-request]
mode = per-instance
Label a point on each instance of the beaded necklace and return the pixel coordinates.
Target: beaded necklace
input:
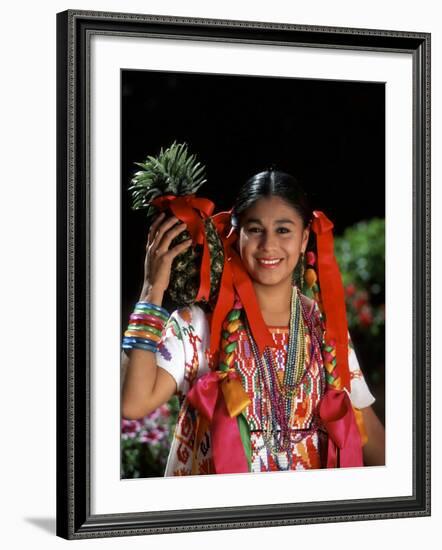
(276, 408)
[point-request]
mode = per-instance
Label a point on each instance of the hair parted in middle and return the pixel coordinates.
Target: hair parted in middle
(268, 184)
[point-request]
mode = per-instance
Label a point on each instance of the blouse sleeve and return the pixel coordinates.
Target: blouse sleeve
(181, 350)
(360, 394)
(170, 354)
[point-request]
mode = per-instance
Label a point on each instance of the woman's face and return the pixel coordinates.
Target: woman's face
(271, 238)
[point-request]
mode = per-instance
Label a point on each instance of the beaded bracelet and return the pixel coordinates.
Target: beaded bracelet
(145, 327)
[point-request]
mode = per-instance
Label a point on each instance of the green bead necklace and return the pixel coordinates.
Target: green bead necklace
(276, 406)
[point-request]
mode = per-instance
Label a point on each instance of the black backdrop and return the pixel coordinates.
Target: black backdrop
(329, 134)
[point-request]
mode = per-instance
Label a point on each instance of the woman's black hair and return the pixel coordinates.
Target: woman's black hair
(272, 183)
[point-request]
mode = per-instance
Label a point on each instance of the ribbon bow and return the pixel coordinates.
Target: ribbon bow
(219, 397)
(344, 440)
(192, 210)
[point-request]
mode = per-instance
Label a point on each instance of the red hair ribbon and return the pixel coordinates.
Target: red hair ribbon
(192, 211)
(332, 294)
(235, 277)
(226, 294)
(344, 440)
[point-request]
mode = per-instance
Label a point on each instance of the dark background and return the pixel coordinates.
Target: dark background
(328, 134)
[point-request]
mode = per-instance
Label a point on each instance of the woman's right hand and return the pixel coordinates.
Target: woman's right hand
(159, 256)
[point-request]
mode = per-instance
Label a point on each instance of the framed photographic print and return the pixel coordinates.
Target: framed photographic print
(345, 111)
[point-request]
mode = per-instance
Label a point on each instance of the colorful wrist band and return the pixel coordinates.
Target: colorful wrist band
(145, 347)
(129, 339)
(143, 320)
(145, 327)
(134, 342)
(142, 334)
(158, 309)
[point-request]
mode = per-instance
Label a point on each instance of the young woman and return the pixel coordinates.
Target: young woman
(271, 410)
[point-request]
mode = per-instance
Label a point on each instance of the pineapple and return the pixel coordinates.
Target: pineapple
(174, 172)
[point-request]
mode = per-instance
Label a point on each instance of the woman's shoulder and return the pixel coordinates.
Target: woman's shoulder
(189, 315)
(190, 325)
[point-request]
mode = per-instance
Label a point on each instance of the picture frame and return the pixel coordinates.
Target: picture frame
(78, 225)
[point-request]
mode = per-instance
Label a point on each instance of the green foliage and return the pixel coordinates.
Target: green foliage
(360, 253)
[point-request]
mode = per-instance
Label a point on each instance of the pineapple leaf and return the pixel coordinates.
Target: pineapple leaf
(143, 165)
(174, 171)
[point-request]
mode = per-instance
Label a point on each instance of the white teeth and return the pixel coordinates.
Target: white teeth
(269, 262)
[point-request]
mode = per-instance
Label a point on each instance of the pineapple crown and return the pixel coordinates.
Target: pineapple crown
(173, 172)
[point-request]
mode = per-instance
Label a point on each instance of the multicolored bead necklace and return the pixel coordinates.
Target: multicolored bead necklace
(277, 398)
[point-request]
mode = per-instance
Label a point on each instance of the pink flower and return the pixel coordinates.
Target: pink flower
(366, 316)
(164, 410)
(154, 436)
(130, 426)
(153, 415)
(361, 299)
(310, 258)
(350, 289)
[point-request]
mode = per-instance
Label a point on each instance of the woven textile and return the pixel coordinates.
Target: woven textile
(183, 353)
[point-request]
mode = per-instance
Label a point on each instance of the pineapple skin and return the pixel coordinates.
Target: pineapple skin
(186, 267)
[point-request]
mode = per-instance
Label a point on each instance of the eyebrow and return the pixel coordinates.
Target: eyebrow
(256, 220)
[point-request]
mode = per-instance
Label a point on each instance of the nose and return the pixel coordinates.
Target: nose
(267, 241)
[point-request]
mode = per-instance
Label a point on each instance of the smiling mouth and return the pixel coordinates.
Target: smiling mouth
(274, 262)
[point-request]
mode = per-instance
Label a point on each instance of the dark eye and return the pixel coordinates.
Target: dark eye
(254, 229)
(283, 230)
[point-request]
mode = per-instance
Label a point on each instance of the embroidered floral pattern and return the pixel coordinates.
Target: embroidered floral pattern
(185, 344)
(164, 351)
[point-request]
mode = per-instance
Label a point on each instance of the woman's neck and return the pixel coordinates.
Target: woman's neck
(274, 303)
